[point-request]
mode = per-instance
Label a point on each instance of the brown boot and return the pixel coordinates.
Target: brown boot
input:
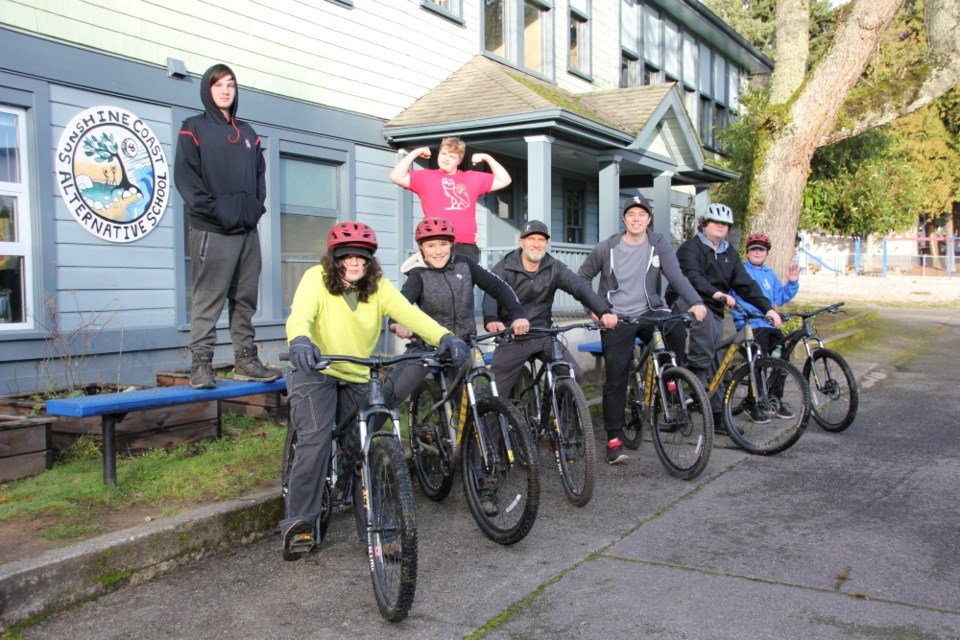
(201, 371)
(248, 367)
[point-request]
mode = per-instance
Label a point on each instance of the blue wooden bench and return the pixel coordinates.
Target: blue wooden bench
(113, 408)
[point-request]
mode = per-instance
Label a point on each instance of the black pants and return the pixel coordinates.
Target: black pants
(618, 349)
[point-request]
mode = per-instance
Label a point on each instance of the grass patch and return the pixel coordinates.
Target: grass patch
(247, 457)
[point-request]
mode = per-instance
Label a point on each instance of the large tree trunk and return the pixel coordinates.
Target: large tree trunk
(793, 49)
(941, 19)
(788, 141)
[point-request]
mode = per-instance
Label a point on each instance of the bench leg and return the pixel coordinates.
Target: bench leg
(108, 427)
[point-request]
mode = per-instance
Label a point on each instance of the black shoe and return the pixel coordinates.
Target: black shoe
(757, 416)
(201, 371)
(298, 539)
(615, 452)
(248, 367)
(784, 411)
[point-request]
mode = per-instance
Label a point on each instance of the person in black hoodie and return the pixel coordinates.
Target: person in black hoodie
(220, 173)
(713, 267)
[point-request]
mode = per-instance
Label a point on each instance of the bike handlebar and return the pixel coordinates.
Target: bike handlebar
(429, 359)
(686, 317)
(833, 308)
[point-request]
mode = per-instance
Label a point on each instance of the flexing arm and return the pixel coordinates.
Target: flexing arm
(501, 178)
(400, 174)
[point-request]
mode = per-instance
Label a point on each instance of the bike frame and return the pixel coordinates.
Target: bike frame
(654, 358)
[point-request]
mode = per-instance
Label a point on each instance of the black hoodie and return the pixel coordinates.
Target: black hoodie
(219, 170)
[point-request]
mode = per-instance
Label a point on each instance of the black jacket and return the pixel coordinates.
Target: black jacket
(219, 170)
(446, 294)
(536, 290)
(710, 272)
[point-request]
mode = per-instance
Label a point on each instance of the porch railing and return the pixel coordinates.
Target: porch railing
(571, 255)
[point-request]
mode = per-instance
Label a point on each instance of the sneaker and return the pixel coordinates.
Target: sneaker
(297, 540)
(756, 415)
(784, 412)
(489, 505)
(615, 453)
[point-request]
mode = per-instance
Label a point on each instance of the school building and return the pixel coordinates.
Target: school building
(583, 101)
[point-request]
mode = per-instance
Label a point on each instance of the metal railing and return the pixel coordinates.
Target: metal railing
(571, 255)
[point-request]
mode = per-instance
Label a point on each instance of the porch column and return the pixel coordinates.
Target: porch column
(661, 202)
(608, 187)
(539, 179)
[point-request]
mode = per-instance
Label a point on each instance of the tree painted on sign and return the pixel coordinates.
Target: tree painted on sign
(105, 150)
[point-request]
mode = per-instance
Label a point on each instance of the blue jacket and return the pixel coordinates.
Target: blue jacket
(777, 293)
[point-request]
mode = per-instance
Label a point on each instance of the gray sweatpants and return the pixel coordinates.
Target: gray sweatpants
(225, 269)
(509, 357)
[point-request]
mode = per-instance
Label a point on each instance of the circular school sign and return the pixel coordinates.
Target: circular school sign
(112, 174)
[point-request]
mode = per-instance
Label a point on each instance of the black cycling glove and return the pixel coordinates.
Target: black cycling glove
(304, 354)
(453, 348)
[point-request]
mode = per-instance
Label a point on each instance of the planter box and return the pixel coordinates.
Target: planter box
(138, 432)
(265, 406)
(25, 446)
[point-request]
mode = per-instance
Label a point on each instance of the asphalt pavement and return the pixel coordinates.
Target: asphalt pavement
(851, 535)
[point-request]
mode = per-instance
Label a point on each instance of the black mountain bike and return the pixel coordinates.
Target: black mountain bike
(556, 410)
(671, 400)
(370, 468)
(456, 414)
(834, 394)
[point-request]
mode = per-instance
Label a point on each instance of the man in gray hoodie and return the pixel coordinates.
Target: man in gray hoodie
(629, 264)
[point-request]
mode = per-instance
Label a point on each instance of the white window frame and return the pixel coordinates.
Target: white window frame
(582, 10)
(513, 17)
(21, 247)
(450, 9)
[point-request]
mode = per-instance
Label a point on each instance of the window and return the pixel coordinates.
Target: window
(629, 71)
(579, 37)
(672, 45)
(573, 206)
(651, 75)
(519, 31)
(309, 205)
(706, 122)
(448, 8)
(16, 278)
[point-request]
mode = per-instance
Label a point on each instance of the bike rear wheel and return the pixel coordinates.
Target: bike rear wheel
(685, 440)
(834, 395)
(760, 424)
(392, 533)
(576, 449)
(512, 481)
(429, 447)
(633, 429)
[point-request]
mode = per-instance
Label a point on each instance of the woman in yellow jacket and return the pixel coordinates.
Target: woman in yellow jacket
(338, 308)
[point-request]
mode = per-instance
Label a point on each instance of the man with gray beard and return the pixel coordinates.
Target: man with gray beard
(535, 276)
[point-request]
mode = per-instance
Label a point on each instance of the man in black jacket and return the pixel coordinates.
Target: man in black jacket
(535, 275)
(714, 269)
(221, 176)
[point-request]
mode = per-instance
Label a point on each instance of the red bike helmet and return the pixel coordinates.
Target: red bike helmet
(758, 240)
(434, 229)
(352, 237)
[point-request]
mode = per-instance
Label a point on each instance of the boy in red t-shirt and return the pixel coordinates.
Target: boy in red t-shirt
(447, 192)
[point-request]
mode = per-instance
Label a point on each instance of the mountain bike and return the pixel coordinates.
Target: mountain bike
(555, 409)
(671, 400)
(368, 472)
(766, 402)
(834, 393)
(456, 414)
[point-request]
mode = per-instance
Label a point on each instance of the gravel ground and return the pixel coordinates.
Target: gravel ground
(894, 289)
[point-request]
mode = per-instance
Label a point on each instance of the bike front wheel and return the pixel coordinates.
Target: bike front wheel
(430, 449)
(503, 493)
(834, 395)
(576, 449)
(392, 530)
(774, 419)
(682, 424)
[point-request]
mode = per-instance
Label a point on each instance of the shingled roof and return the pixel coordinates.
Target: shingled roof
(484, 88)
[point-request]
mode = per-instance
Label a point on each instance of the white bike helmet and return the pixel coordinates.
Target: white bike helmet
(719, 213)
